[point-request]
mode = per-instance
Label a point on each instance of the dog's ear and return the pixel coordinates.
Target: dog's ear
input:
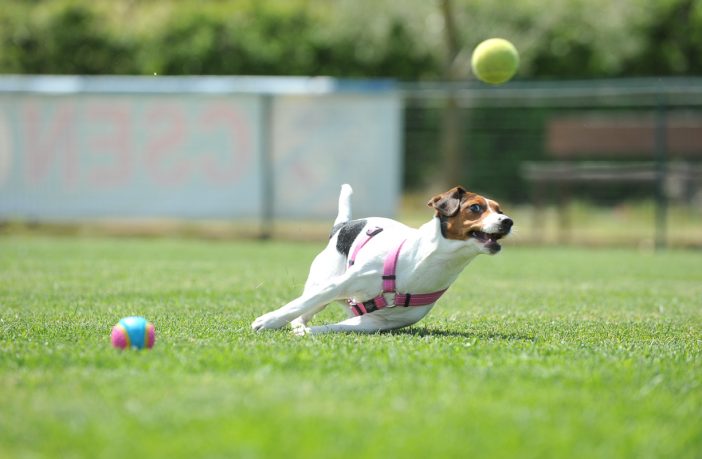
(448, 203)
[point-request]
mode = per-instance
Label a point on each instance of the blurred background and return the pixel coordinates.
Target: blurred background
(242, 118)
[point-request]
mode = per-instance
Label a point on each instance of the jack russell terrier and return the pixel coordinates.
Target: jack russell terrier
(369, 262)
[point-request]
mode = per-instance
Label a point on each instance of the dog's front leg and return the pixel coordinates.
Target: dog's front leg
(309, 301)
(368, 323)
(386, 319)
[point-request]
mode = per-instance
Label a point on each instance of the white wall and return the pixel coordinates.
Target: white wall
(81, 148)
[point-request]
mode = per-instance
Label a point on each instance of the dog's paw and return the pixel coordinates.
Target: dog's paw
(300, 329)
(268, 321)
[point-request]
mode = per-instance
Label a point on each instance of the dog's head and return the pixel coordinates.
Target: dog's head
(469, 217)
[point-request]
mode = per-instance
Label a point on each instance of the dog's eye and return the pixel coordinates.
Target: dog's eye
(476, 208)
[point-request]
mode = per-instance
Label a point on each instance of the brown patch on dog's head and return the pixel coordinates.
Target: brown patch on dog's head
(463, 213)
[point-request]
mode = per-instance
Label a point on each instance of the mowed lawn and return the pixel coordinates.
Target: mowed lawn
(534, 353)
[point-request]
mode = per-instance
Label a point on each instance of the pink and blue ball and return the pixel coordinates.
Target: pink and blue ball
(133, 332)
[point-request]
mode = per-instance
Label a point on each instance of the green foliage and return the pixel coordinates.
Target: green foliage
(69, 40)
(533, 353)
(363, 38)
(200, 44)
(672, 40)
(63, 37)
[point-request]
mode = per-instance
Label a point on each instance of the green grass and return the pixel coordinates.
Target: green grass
(533, 353)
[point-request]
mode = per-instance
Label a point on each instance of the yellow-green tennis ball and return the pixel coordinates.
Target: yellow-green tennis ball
(495, 61)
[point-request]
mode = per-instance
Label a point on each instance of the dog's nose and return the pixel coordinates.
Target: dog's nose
(507, 224)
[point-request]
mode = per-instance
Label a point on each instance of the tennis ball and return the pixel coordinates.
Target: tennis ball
(495, 61)
(133, 332)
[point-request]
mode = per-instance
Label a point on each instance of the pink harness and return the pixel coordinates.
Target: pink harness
(389, 268)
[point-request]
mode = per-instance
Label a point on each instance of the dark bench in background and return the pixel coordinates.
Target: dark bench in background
(607, 148)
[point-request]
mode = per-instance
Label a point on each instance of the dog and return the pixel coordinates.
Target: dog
(387, 274)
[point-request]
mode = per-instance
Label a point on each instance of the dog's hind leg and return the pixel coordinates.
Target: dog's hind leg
(305, 318)
(369, 323)
(310, 302)
(326, 266)
(325, 282)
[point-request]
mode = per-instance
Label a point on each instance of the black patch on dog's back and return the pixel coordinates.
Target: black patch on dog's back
(336, 228)
(348, 232)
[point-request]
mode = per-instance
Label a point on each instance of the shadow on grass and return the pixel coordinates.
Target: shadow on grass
(436, 332)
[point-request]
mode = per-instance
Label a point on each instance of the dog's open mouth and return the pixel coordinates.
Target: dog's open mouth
(489, 239)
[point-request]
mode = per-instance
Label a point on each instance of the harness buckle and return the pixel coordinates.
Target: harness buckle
(389, 299)
(370, 232)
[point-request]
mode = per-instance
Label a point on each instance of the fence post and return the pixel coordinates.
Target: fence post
(661, 142)
(267, 183)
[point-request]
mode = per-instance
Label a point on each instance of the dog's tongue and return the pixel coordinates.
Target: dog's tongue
(490, 240)
(479, 235)
(485, 237)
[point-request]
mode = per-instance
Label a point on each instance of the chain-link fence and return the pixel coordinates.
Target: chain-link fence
(590, 162)
(600, 162)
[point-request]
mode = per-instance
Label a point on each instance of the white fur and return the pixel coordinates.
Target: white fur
(427, 263)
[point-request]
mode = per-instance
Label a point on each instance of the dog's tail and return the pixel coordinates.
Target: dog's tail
(344, 214)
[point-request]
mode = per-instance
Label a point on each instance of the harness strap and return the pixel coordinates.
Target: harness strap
(370, 232)
(389, 278)
(389, 268)
(417, 299)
